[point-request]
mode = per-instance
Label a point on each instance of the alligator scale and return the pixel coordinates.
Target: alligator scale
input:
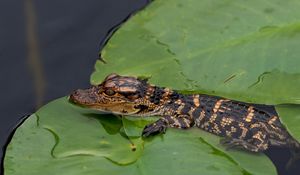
(241, 124)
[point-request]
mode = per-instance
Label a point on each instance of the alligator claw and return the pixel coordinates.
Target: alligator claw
(158, 127)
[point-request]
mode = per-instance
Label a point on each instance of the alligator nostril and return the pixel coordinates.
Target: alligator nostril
(74, 96)
(75, 92)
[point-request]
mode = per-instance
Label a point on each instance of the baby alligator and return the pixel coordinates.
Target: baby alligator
(241, 124)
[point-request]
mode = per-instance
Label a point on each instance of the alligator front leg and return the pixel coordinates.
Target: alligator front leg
(161, 125)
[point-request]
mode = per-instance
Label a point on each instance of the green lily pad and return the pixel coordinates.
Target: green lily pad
(62, 138)
(243, 50)
(290, 116)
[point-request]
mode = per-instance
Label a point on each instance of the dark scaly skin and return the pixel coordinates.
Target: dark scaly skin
(241, 124)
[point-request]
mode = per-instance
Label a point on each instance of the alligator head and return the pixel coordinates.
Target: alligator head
(117, 94)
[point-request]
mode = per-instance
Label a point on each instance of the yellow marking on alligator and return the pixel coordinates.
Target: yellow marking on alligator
(272, 120)
(196, 100)
(250, 114)
(217, 105)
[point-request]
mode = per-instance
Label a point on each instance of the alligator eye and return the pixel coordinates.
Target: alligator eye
(110, 92)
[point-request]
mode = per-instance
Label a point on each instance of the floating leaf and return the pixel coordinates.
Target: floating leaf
(243, 50)
(64, 139)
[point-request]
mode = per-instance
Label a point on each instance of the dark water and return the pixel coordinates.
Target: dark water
(68, 36)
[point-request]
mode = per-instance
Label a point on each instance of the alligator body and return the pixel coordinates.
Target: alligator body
(241, 124)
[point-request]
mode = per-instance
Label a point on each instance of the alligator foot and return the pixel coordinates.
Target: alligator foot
(160, 126)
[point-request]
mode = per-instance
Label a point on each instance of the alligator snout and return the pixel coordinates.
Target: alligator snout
(82, 97)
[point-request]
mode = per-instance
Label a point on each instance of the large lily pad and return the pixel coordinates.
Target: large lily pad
(243, 50)
(65, 139)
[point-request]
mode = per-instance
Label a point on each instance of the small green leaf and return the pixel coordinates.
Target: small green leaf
(134, 126)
